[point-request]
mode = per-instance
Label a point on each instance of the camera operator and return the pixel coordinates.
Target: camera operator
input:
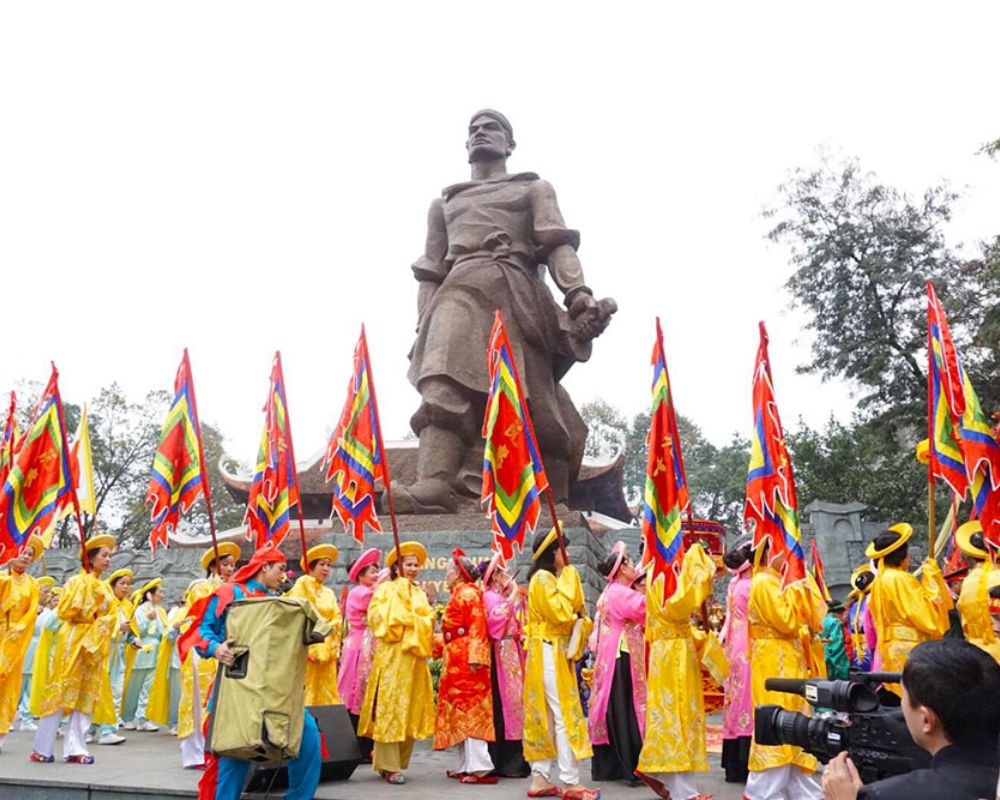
(951, 703)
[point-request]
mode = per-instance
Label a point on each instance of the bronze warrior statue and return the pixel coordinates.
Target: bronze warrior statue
(488, 242)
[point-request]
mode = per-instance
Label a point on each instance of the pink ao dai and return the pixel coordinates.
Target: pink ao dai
(621, 615)
(504, 630)
(357, 649)
(737, 714)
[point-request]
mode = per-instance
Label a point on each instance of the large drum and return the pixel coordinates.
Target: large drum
(259, 701)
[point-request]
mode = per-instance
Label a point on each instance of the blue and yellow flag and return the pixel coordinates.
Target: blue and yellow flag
(354, 452)
(666, 495)
(513, 475)
(177, 478)
(772, 502)
(275, 490)
(946, 400)
(963, 451)
(39, 477)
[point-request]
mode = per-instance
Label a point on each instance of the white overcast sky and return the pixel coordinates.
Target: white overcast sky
(238, 177)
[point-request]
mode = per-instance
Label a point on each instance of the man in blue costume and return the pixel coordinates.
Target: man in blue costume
(224, 777)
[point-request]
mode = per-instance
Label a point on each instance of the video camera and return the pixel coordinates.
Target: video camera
(875, 738)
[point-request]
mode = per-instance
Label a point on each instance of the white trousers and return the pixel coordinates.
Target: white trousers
(474, 756)
(782, 783)
(74, 741)
(681, 784)
(569, 770)
(193, 746)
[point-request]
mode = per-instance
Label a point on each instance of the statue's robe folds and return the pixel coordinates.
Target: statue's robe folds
(321, 666)
(487, 244)
(399, 697)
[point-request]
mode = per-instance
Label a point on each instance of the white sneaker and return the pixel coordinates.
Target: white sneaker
(129, 726)
(147, 727)
(172, 731)
(89, 738)
(28, 726)
(111, 738)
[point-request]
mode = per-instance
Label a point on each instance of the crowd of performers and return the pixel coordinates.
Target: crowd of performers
(99, 656)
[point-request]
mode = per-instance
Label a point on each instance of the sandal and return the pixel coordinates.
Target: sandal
(658, 786)
(455, 774)
(549, 791)
(80, 759)
(582, 794)
(38, 758)
(395, 778)
(472, 778)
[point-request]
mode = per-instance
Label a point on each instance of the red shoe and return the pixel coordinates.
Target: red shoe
(80, 759)
(470, 778)
(582, 794)
(38, 758)
(551, 791)
(455, 774)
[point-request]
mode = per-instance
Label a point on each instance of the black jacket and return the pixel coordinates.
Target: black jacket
(956, 773)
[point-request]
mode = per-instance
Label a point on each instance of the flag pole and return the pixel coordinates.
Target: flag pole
(386, 478)
(291, 455)
(72, 485)
(206, 487)
(930, 438)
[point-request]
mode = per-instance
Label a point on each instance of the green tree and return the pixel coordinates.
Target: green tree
(124, 436)
(863, 253)
(858, 462)
(716, 475)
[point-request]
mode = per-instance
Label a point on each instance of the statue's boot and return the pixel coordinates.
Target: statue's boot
(438, 460)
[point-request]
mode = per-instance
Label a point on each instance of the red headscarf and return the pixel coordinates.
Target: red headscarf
(225, 595)
(266, 555)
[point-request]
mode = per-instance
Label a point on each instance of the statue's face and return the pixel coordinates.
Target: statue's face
(487, 140)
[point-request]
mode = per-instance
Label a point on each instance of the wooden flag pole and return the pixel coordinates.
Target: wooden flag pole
(291, 455)
(555, 519)
(72, 485)
(206, 486)
(930, 442)
(386, 478)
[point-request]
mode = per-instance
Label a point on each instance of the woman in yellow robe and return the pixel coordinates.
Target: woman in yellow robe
(197, 673)
(974, 599)
(120, 582)
(18, 609)
(80, 683)
(780, 622)
(321, 666)
(551, 694)
(906, 611)
(399, 700)
(674, 746)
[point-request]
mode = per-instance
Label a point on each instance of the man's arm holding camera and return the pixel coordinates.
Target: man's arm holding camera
(841, 780)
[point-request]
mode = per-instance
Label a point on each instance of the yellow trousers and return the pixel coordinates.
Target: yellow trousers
(392, 756)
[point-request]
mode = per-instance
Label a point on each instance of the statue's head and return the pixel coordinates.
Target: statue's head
(491, 136)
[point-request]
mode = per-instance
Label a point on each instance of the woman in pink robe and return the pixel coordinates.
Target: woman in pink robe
(359, 644)
(617, 718)
(737, 714)
(503, 602)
